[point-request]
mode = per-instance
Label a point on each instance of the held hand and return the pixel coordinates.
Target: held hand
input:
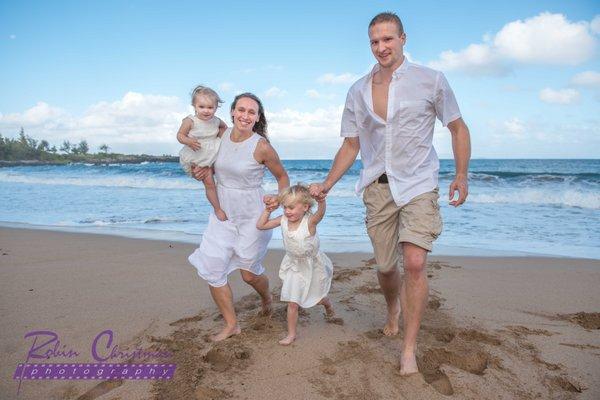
(193, 144)
(271, 202)
(200, 172)
(461, 185)
(318, 191)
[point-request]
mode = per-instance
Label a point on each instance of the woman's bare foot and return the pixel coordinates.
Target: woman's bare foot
(226, 332)
(391, 326)
(408, 364)
(267, 307)
(286, 341)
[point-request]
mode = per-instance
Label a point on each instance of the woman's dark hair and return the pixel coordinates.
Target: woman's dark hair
(260, 126)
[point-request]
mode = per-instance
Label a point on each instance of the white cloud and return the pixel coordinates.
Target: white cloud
(590, 79)
(344, 78)
(148, 122)
(316, 125)
(315, 94)
(595, 24)
(544, 39)
(514, 127)
(564, 96)
(226, 86)
(274, 91)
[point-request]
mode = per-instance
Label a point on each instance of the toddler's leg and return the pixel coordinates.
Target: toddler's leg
(211, 195)
(325, 302)
(292, 321)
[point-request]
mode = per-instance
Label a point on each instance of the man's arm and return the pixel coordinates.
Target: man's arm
(343, 160)
(461, 147)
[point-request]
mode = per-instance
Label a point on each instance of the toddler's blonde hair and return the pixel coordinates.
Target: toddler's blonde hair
(295, 194)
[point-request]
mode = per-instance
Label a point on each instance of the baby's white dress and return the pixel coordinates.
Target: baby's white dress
(206, 132)
(305, 270)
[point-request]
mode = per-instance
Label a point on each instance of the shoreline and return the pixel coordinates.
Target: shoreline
(276, 243)
(502, 327)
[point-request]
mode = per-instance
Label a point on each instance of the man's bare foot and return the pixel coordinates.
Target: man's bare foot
(226, 332)
(286, 341)
(267, 307)
(221, 216)
(391, 326)
(408, 364)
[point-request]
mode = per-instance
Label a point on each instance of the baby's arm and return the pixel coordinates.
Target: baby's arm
(182, 134)
(222, 127)
(317, 216)
(265, 223)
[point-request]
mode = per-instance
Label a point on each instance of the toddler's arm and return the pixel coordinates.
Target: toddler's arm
(317, 216)
(182, 134)
(265, 223)
(222, 127)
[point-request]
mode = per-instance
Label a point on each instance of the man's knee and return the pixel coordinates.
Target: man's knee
(249, 277)
(415, 262)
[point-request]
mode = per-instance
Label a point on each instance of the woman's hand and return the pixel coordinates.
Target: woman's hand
(271, 202)
(200, 172)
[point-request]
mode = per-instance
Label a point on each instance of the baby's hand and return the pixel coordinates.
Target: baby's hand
(194, 144)
(271, 202)
(221, 216)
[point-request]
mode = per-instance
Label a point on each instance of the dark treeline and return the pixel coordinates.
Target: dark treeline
(27, 150)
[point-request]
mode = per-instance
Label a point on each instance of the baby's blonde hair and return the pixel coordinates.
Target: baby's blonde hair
(297, 193)
(208, 92)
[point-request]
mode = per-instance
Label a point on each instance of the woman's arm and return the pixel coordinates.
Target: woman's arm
(266, 154)
(317, 216)
(264, 222)
(183, 132)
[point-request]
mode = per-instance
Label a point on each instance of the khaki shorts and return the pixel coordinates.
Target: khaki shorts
(418, 222)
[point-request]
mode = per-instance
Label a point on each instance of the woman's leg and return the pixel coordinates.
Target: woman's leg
(292, 322)
(260, 283)
(224, 300)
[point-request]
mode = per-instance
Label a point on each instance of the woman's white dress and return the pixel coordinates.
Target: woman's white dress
(205, 132)
(305, 270)
(236, 243)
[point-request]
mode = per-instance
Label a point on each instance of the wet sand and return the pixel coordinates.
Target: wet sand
(500, 327)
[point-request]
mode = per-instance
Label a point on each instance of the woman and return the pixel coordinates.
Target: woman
(236, 243)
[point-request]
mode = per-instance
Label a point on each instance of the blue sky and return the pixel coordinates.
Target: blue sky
(526, 74)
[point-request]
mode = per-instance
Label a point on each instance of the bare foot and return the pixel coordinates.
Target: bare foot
(329, 312)
(408, 364)
(286, 341)
(267, 308)
(391, 326)
(221, 216)
(226, 332)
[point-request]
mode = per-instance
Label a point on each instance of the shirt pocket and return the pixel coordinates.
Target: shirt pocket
(412, 116)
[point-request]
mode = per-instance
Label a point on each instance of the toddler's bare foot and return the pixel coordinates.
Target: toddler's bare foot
(221, 216)
(286, 341)
(228, 331)
(408, 364)
(329, 312)
(391, 326)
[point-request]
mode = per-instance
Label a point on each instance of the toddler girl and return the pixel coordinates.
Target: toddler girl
(305, 270)
(201, 135)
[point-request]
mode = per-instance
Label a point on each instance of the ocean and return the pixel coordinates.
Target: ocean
(519, 207)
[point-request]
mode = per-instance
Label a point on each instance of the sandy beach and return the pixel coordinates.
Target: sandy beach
(501, 327)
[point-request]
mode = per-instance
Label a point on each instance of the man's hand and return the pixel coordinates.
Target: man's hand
(461, 185)
(318, 191)
(200, 172)
(271, 202)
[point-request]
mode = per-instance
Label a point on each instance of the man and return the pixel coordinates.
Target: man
(389, 116)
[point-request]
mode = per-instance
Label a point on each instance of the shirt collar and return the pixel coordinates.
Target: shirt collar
(402, 68)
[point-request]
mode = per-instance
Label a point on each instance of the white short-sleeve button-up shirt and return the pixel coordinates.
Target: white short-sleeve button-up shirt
(401, 146)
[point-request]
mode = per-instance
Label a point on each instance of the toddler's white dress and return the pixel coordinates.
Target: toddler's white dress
(305, 270)
(206, 132)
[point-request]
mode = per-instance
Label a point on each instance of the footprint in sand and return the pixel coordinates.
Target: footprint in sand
(584, 319)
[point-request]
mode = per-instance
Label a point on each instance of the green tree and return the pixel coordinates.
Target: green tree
(66, 147)
(104, 148)
(83, 147)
